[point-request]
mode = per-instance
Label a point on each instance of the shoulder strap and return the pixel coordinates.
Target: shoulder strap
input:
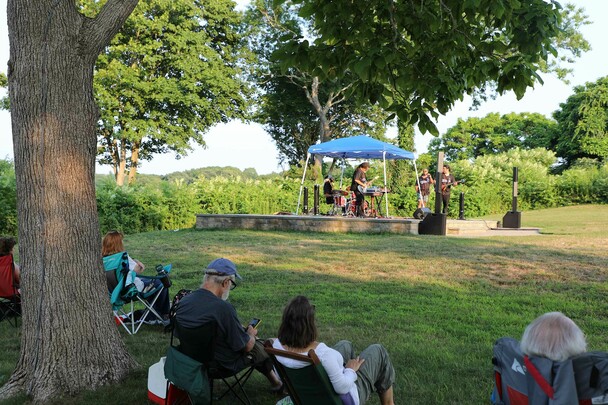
(538, 378)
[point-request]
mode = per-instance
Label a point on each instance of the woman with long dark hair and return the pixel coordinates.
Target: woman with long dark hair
(353, 378)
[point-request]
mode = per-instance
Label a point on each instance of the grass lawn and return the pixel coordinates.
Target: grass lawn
(436, 303)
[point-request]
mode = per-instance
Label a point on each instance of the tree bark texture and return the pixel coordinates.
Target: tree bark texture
(324, 129)
(69, 341)
(134, 161)
(121, 164)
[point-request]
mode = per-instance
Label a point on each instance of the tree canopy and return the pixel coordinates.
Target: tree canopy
(418, 58)
(583, 123)
(493, 134)
(173, 71)
(298, 108)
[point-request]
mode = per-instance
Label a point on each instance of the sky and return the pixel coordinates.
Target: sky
(249, 146)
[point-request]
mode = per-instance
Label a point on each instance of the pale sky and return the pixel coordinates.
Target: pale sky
(244, 146)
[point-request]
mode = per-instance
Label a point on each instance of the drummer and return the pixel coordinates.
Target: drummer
(328, 188)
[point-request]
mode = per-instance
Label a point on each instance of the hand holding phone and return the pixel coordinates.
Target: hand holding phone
(254, 323)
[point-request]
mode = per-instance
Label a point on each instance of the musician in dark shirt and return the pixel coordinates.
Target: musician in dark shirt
(424, 188)
(447, 181)
(359, 179)
(328, 188)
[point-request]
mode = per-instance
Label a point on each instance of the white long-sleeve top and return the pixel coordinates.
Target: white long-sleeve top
(342, 379)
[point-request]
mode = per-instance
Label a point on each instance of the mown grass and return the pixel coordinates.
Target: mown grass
(436, 303)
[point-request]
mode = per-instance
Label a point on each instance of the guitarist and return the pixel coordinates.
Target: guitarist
(447, 181)
(359, 179)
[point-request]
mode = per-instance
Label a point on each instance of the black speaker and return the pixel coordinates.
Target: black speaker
(433, 224)
(420, 213)
(512, 219)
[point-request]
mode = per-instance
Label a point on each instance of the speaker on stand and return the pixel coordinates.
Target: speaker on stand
(512, 219)
(420, 213)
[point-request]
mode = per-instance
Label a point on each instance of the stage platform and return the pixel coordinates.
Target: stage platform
(340, 224)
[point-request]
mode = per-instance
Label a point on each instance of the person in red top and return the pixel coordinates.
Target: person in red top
(7, 244)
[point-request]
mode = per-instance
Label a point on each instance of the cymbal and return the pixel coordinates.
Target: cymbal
(339, 192)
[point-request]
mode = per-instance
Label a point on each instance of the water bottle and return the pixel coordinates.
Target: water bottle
(164, 276)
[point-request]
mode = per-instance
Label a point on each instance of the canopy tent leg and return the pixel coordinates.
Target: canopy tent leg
(417, 181)
(302, 182)
(385, 185)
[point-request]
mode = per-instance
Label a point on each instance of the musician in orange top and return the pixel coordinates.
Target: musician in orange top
(447, 181)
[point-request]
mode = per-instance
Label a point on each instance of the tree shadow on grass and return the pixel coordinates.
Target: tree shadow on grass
(437, 304)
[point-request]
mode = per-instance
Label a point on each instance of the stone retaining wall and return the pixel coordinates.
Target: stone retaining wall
(307, 223)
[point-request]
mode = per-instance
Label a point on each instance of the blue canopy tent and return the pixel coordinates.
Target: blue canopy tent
(357, 147)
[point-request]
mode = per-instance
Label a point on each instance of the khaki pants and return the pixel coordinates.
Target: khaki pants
(375, 374)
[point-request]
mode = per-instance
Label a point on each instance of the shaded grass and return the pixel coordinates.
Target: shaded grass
(436, 303)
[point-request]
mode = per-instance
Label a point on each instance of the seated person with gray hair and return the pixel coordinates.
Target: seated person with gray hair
(236, 347)
(550, 365)
(555, 336)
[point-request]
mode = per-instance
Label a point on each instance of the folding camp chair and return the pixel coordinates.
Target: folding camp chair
(199, 345)
(523, 380)
(123, 292)
(10, 299)
(309, 385)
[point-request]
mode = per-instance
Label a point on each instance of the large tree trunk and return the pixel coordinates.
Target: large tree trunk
(134, 161)
(69, 341)
(324, 129)
(121, 166)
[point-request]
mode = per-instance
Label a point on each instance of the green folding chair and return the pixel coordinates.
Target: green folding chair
(309, 385)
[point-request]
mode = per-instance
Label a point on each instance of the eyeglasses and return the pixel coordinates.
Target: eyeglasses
(233, 284)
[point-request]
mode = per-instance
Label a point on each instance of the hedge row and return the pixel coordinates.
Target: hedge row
(487, 190)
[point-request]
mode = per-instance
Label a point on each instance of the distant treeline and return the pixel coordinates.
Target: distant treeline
(172, 201)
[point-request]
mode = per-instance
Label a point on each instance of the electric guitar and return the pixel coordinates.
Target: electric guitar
(449, 184)
(367, 184)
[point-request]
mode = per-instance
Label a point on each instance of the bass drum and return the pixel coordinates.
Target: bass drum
(420, 213)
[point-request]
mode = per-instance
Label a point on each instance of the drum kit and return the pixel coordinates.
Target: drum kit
(340, 202)
(345, 203)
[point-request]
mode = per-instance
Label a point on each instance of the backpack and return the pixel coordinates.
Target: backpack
(173, 311)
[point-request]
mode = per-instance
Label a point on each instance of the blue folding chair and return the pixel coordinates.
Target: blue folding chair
(124, 293)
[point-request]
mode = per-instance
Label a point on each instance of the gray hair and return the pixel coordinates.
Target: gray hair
(554, 336)
(215, 278)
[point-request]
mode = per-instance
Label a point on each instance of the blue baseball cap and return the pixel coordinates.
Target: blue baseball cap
(222, 267)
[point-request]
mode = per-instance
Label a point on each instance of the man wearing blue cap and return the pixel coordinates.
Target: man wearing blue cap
(236, 347)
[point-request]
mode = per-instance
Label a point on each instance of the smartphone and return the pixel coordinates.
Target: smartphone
(255, 322)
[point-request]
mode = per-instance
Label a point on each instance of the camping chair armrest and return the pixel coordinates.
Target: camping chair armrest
(150, 277)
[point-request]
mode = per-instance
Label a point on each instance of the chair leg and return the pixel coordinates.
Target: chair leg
(237, 385)
(11, 311)
(211, 390)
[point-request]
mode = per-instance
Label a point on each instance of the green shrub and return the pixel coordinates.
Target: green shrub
(8, 199)
(130, 209)
(160, 205)
(583, 184)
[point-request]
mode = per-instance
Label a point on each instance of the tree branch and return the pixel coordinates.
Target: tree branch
(99, 31)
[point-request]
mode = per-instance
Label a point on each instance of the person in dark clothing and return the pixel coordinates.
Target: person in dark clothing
(328, 188)
(358, 183)
(424, 188)
(236, 347)
(447, 181)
